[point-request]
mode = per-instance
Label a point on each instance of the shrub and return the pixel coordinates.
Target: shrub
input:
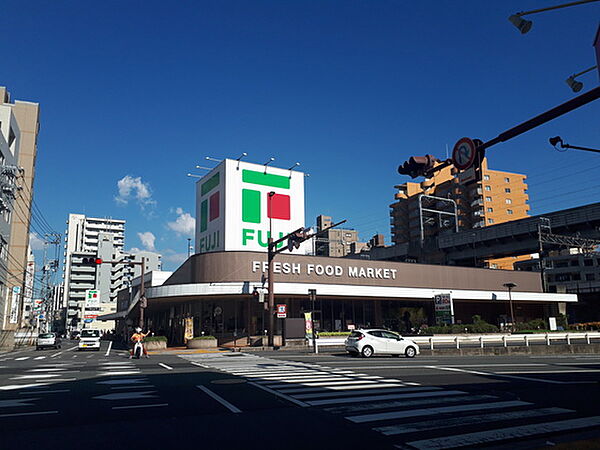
(155, 338)
(198, 338)
(334, 333)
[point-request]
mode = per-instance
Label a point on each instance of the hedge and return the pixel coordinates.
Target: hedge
(155, 338)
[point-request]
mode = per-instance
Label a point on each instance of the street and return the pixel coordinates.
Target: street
(67, 399)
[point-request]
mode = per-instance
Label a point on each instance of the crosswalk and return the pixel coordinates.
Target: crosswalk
(411, 415)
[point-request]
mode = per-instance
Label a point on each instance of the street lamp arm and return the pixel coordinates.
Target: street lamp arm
(550, 8)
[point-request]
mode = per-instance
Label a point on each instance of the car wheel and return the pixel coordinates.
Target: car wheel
(367, 351)
(410, 352)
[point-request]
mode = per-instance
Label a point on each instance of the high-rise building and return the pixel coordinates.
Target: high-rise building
(450, 201)
(90, 238)
(336, 242)
(19, 126)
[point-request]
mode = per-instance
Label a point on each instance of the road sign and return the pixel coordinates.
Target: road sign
(281, 311)
(463, 154)
(92, 298)
(90, 316)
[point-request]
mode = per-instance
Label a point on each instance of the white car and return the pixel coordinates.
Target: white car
(375, 342)
(89, 340)
(46, 340)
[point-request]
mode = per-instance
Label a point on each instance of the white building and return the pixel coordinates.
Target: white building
(90, 238)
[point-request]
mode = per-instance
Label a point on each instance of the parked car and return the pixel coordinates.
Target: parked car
(47, 340)
(89, 340)
(375, 342)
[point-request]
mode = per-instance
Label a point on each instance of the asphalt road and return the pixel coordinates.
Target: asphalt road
(69, 399)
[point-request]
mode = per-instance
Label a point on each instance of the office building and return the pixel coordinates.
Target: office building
(19, 126)
(449, 202)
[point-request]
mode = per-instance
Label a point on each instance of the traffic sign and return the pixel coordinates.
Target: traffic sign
(463, 154)
(281, 311)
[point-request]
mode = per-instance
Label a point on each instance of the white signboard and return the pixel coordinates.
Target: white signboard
(444, 309)
(238, 204)
(14, 304)
(92, 298)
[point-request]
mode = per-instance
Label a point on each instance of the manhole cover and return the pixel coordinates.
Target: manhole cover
(229, 381)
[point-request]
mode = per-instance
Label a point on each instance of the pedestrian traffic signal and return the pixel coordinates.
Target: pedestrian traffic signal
(417, 166)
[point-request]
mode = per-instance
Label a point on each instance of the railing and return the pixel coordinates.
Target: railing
(492, 340)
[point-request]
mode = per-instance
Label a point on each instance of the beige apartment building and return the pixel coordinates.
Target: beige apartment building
(336, 242)
(21, 134)
(450, 201)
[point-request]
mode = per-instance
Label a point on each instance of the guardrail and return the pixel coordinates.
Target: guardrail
(479, 340)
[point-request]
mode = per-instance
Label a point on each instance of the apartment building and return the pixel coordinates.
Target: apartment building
(19, 126)
(336, 242)
(103, 238)
(449, 201)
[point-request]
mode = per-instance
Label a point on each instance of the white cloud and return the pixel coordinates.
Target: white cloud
(134, 188)
(147, 239)
(184, 224)
(36, 242)
(177, 258)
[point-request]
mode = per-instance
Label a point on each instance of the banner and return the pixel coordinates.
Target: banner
(14, 306)
(308, 325)
(189, 329)
(444, 309)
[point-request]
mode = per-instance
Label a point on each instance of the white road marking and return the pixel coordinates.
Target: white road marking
(367, 398)
(304, 380)
(329, 384)
(501, 434)
(37, 376)
(125, 372)
(56, 391)
(16, 402)
(462, 421)
(22, 358)
(492, 374)
(341, 388)
(29, 413)
(431, 411)
(280, 394)
(220, 399)
(39, 357)
(379, 390)
(126, 395)
(200, 365)
(124, 381)
(165, 366)
(141, 406)
(140, 386)
(108, 350)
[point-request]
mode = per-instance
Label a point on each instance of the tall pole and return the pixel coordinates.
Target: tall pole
(142, 294)
(512, 312)
(271, 297)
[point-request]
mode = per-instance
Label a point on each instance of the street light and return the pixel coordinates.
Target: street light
(525, 25)
(575, 85)
(554, 141)
(510, 286)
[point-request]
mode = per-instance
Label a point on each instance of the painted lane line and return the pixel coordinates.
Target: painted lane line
(125, 372)
(220, 399)
(328, 384)
(126, 395)
(280, 394)
(56, 391)
(452, 422)
(39, 357)
(124, 381)
(368, 398)
(200, 365)
(491, 374)
(37, 375)
(165, 366)
(305, 380)
(22, 358)
(502, 434)
(12, 387)
(17, 402)
(47, 369)
(142, 386)
(418, 402)
(294, 374)
(58, 380)
(37, 413)
(565, 371)
(156, 405)
(340, 388)
(429, 411)
(371, 392)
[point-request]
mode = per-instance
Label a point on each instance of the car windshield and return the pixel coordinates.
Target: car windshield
(46, 336)
(90, 333)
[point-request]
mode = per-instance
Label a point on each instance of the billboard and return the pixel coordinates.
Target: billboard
(239, 203)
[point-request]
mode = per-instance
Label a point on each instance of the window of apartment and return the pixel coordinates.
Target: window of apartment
(488, 199)
(509, 211)
(493, 266)
(589, 277)
(506, 180)
(490, 210)
(488, 188)
(507, 190)
(490, 220)
(588, 262)
(508, 201)
(575, 276)
(574, 263)
(486, 177)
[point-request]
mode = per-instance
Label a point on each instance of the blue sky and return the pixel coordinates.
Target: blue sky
(139, 92)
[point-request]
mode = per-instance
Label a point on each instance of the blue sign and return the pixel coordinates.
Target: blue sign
(88, 320)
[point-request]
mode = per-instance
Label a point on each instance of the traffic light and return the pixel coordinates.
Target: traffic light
(297, 238)
(417, 166)
(91, 261)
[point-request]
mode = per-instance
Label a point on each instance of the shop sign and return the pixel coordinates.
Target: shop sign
(14, 306)
(327, 270)
(444, 309)
(92, 298)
